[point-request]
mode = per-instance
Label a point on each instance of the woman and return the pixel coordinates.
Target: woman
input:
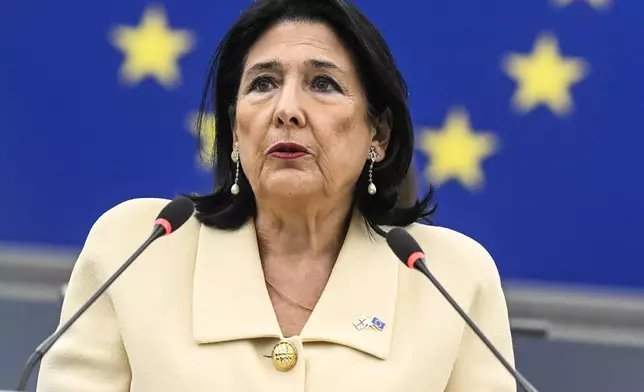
(282, 281)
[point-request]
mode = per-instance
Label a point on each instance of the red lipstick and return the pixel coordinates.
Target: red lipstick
(288, 150)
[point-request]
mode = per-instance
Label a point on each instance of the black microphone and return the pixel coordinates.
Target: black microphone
(410, 253)
(171, 217)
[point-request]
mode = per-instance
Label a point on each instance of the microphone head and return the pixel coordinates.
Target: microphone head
(175, 214)
(404, 246)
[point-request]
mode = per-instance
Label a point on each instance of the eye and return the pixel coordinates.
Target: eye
(262, 84)
(325, 84)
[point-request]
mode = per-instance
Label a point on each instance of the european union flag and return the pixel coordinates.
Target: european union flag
(527, 116)
(377, 324)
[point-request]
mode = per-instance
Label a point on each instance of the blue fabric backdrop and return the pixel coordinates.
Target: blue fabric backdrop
(528, 116)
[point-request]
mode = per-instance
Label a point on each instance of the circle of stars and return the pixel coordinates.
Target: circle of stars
(544, 77)
(455, 152)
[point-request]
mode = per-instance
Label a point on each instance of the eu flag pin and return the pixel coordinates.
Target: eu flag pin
(376, 323)
(369, 322)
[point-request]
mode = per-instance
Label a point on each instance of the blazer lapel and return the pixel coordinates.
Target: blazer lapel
(363, 284)
(230, 300)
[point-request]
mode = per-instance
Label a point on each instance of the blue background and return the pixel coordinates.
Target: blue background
(563, 196)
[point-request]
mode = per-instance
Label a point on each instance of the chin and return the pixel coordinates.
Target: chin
(290, 185)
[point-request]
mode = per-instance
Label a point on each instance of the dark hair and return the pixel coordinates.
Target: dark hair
(385, 90)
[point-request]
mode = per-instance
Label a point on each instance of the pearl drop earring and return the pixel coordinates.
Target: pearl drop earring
(235, 188)
(372, 157)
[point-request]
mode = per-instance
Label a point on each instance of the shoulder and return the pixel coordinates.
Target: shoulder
(436, 236)
(451, 251)
(120, 230)
(130, 215)
(133, 209)
(468, 273)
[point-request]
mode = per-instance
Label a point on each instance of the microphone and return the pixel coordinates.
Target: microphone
(410, 253)
(171, 217)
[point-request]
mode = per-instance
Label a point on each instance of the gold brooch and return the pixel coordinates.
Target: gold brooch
(284, 356)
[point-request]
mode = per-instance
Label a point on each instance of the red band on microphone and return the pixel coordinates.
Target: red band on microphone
(413, 258)
(166, 225)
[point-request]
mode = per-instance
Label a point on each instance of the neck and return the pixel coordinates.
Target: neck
(297, 234)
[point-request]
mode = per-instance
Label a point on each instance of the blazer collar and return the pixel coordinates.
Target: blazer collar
(230, 300)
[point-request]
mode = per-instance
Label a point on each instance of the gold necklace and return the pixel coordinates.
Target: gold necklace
(287, 298)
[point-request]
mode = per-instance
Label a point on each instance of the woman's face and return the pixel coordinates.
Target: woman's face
(301, 119)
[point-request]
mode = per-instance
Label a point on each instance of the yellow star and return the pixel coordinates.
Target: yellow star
(206, 155)
(597, 4)
(544, 77)
(152, 49)
(456, 152)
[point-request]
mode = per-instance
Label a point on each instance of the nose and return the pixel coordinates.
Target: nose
(288, 110)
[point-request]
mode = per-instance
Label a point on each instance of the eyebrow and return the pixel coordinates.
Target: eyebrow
(322, 64)
(274, 65)
(264, 66)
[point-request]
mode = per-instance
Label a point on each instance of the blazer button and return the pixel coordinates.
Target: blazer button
(284, 356)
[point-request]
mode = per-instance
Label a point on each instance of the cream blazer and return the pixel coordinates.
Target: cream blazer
(193, 314)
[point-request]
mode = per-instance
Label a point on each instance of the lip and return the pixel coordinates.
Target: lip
(287, 149)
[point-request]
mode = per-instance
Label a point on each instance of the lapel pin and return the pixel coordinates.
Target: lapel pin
(376, 323)
(361, 323)
(369, 322)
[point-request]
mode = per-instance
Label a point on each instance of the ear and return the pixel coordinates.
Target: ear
(231, 118)
(235, 146)
(382, 133)
(234, 154)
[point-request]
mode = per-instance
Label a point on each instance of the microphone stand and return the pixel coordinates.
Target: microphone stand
(523, 382)
(42, 349)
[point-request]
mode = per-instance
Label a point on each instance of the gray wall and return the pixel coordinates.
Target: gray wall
(553, 366)
(567, 339)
